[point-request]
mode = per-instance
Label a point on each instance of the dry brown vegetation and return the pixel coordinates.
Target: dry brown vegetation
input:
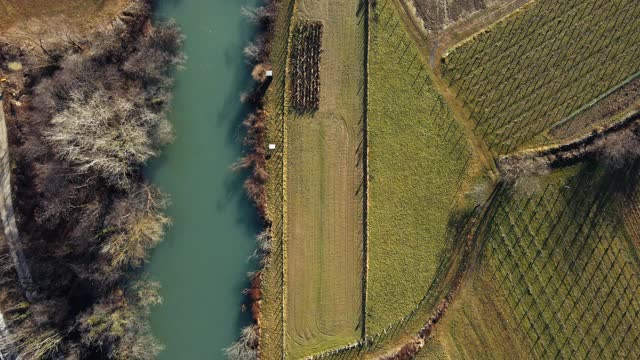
(247, 347)
(614, 146)
(89, 117)
(438, 15)
(620, 148)
(305, 66)
(44, 19)
(255, 158)
(623, 99)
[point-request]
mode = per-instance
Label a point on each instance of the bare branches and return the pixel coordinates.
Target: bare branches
(109, 135)
(95, 118)
(246, 347)
(136, 225)
(620, 148)
(305, 67)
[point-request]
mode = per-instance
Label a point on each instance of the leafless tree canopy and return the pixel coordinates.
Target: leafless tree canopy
(108, 134)
(621, 148)
(96, 115)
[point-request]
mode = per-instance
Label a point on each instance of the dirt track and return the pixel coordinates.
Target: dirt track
(7, 213)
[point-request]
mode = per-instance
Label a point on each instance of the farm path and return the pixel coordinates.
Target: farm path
(8, 221)
(7, 214)
(324, 190)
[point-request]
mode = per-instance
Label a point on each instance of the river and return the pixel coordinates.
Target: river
(202, 263)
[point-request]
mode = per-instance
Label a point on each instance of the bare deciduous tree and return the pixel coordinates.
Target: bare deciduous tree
(110, 135)
(246, 347)
(135, 225)
(620, 148)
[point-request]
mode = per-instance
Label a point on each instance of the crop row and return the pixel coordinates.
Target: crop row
(305, 66)
(566, 272)
(539, 65)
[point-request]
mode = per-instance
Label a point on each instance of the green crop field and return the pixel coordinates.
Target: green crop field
(553, 270)
(418, 159)
(565, 266)
(541, 64)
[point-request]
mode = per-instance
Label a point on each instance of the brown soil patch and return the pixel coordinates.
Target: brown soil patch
(46, 18)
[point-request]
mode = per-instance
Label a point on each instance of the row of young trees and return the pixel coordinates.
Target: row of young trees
(561, 263)
(94, 114)
(305, 66)
(539, 66)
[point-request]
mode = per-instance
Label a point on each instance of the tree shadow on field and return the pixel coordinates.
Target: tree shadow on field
(360, 11)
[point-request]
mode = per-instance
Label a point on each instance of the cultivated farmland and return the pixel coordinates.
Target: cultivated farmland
(565, 266)
(535, 264)
(56, 18)
(541, 64)
(324, 187)
(478, 325)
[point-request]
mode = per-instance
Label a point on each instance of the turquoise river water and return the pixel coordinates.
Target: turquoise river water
(202, 263)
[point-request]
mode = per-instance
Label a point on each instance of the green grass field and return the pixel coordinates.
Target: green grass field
(541, 64)
(324, 240)
(417, 158)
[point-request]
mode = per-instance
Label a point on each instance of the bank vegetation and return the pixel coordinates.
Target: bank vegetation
(82, 126)
(254, 162)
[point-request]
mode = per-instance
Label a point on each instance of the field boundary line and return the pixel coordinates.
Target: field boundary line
(457, 33)
(453, 47)
(569, 151)
(365, 166)
(593, 102)
(284, 222)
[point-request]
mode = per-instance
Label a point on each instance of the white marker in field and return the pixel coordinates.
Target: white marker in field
(269, 73)
(272, 146)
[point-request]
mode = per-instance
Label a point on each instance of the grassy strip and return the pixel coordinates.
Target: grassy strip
(285, 109)
(273, 302)
(365, 165)
(418, 162)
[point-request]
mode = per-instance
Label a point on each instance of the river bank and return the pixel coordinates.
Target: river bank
(85, 111)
